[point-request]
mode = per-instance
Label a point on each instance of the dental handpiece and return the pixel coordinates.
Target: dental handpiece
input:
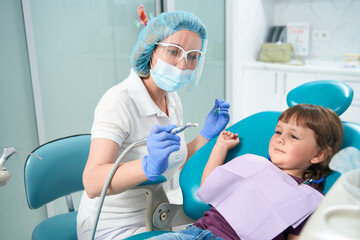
(7, 153)
(5, 174)
(182, 128)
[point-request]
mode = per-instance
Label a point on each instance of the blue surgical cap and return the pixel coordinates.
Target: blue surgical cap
(164, 25)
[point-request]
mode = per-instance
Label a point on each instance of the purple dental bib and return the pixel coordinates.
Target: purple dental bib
(257, 198)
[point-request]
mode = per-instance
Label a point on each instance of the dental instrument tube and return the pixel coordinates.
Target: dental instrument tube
(108, 180)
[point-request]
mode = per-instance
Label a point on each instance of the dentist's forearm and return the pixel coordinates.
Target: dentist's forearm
(127, 175)
(102, 156)
(195, 145)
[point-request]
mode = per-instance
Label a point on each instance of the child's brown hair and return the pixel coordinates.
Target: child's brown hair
(329, 133)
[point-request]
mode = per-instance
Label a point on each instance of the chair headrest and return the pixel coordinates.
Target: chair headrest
(331, 94)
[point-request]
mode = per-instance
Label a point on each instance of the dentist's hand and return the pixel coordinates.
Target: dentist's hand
(216, 120)
(160, 144)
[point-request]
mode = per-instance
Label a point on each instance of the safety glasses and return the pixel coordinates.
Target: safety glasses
(173, 54)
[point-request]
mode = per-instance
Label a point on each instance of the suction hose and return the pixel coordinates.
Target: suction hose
(108, 180)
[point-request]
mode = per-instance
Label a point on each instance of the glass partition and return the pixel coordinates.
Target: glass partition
(199, 102)
(82, 49)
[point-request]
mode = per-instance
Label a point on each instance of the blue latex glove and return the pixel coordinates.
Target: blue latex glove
(216, 120)
(160, 144)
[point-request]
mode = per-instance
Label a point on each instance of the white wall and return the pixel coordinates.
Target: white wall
(340, 18)
(248, 22)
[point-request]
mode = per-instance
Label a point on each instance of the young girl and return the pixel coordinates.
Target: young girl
(305, 139)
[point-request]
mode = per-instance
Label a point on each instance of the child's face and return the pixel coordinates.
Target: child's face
(293, 148)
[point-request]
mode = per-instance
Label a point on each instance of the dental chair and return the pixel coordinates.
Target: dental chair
(254, 132)
(57, 174)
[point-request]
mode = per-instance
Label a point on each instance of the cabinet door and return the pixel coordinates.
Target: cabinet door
(266, 90)
(262, 91)
(352, 114)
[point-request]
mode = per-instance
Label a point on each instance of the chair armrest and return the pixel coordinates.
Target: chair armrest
(155, 196)
(169, 215)
(160, 214)
(160, 179)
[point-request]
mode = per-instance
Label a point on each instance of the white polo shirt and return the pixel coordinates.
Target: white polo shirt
(125, 114)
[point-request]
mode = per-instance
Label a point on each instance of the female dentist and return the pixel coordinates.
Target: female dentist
(168, 55)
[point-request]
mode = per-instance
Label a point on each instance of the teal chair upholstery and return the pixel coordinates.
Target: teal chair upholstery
(331, 94)
(57, 174)
(255, 132)
(351, 139)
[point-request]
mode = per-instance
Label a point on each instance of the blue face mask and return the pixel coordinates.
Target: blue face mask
(170, 78)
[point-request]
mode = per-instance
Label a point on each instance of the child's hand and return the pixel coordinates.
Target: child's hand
(228, 139)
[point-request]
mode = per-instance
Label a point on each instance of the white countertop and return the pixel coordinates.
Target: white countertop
(312, 65)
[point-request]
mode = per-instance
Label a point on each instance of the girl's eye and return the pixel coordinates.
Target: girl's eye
(294, 137)
(277, 132)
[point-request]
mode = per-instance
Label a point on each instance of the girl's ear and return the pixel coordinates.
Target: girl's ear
(319, 157)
